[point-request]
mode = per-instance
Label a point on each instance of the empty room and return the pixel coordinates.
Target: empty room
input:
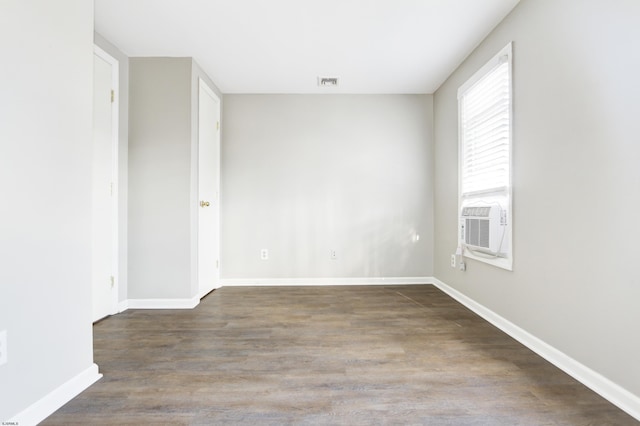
(346, 212)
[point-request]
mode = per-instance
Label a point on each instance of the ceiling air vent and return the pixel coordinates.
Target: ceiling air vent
(327, 81)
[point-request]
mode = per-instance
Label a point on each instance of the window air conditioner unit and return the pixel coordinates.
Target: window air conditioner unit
(482, 228)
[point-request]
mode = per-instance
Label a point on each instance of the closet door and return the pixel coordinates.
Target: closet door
(208, 189)
(104, 200)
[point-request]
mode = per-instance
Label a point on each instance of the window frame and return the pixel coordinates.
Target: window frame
(506, 261)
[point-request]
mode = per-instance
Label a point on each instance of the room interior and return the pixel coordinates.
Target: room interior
(366, 171)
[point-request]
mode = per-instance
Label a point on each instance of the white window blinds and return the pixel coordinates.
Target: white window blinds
(485, 109)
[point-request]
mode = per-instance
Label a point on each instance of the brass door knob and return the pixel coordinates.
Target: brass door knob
(204, 204)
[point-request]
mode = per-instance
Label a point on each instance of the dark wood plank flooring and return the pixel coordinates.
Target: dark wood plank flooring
(324, 355)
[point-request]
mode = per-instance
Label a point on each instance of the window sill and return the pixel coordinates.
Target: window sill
(500, 262)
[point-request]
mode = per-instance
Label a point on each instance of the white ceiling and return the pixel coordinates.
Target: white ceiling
(282, 46)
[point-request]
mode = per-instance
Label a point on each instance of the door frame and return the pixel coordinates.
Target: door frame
(202, 84)
(115, 127)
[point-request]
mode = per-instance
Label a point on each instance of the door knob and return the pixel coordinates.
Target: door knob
(204, 204)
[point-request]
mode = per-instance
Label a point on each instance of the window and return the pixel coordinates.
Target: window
(485, 143)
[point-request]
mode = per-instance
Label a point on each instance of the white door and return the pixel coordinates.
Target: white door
(208, 189)
(103, 191)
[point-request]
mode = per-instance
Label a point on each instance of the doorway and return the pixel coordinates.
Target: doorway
(104, 199)
(208, 189)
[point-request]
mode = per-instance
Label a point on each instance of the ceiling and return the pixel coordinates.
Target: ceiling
(283, 46)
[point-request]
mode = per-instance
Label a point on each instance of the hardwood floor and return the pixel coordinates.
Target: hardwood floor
(324, 355)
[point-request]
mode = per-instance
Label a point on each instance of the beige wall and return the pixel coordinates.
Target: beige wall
(576, 176)
(304, 174)
(159, 178)
(45, 173)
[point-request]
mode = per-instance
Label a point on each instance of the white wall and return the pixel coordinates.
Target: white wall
(123, 160)
(576, 178)
(304, 174)
(45, 175)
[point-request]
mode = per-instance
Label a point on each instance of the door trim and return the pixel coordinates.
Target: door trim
(115, 127)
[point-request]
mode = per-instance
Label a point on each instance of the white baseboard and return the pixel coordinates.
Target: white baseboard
(123, 306)
(325, 281)
(160, 303)
(47, 405)
(609, 390)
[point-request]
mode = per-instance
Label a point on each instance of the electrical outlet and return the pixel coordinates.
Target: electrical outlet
(333, 255)
(3, 347)
(453, 260)
(264, 254)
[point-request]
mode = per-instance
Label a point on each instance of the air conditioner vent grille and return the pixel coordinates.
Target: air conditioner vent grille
(477, 232)
(483, 235)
